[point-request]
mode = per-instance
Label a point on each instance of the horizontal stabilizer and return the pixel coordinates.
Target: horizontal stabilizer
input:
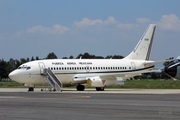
(152, 63)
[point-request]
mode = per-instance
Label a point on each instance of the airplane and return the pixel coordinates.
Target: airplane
(97, 73)
(173, 69)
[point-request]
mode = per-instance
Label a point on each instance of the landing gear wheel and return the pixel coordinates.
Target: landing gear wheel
(80, 87)
(54, 90)
(99, 88)
(30, 89)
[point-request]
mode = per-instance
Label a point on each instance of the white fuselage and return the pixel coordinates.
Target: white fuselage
(76, 71)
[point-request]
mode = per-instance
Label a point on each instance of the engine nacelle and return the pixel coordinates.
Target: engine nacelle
(96, 82)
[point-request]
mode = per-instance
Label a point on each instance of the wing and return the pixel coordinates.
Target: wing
(108, 79)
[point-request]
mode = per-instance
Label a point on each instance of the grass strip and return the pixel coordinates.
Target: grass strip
(140, 84)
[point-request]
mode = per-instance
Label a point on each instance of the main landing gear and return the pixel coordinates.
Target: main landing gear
(99, 88)
(31, 89)
(80, 87)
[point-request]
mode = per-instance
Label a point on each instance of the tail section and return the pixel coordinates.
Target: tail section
(143, 48)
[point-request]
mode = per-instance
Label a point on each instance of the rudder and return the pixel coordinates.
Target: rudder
(143, 48)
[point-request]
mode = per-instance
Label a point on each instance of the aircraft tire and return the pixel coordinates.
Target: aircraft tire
(30, 89)
(80, 87)
(99, 88)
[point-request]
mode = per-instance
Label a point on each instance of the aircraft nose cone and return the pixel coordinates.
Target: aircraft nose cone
(13, 75)
(171, 70)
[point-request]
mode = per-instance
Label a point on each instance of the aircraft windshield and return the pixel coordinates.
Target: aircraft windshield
(176, 61)
(24, 67)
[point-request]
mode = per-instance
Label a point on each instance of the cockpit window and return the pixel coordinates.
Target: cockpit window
(25, 67)
(19, 67)
(176, 61)
(28, 68)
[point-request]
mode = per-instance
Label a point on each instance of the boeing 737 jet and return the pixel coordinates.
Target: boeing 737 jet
(98, 73)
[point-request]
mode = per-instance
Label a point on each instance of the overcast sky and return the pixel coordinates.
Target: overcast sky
(100, 27)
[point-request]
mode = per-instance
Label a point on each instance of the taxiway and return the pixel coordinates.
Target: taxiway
(18, 104)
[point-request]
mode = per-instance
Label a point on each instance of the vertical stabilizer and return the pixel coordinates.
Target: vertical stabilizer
(143, 48)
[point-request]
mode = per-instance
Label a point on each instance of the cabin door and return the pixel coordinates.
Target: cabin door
(42, 67)
(133, 65)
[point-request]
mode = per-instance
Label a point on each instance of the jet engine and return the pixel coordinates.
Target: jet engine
(104, 81)
(96, 82)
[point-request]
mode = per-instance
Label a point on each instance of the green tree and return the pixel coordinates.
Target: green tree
(3, 69)
(79, 56)
(11, 65)
(154, 75)
(71, 57)
(88, 56)
(17, 63)
(114, 57)
(51, 56)
(32, 58)
(27, 60)
(37, 58)
(23, 60)
(65, 58)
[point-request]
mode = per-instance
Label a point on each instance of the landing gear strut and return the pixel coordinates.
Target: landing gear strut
(80, 87)
(31, 89)
(99, 88)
